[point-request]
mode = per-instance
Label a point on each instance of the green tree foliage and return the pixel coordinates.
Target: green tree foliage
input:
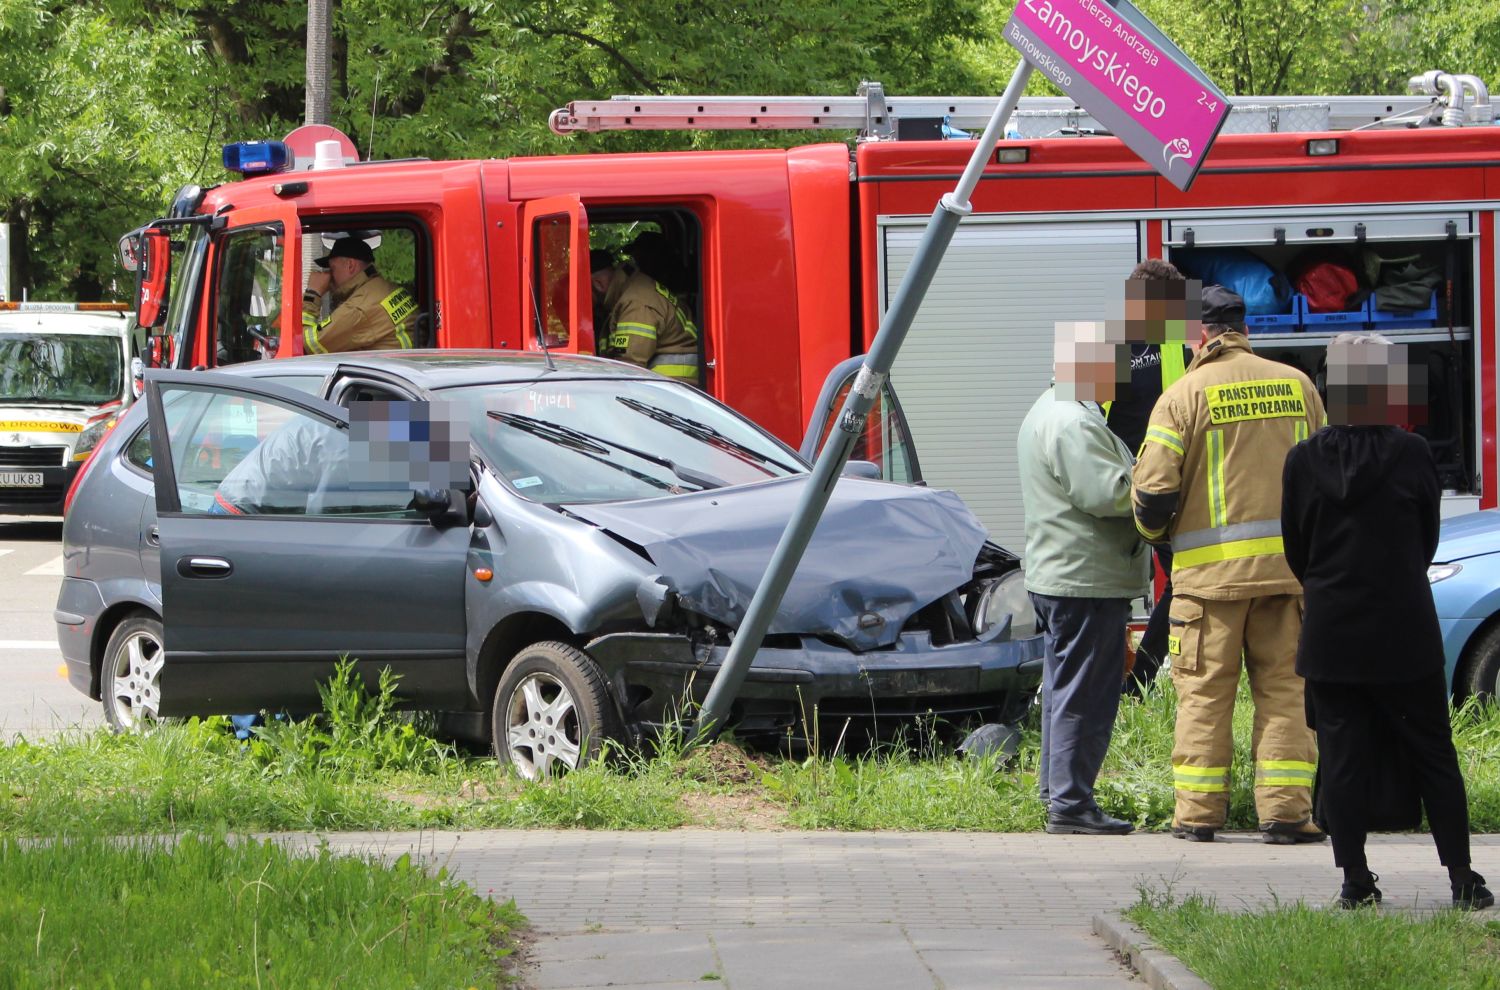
(106, 106)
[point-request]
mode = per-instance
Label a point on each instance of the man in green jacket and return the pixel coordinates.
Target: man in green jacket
(1084, 563)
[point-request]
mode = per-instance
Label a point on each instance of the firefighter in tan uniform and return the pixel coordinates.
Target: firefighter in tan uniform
(368, 312)
(1209, 480)
(642, 321)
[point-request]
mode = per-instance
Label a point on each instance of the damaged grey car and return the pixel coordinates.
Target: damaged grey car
(577, 579)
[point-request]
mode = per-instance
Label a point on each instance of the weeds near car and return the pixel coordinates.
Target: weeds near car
(1327, 949)
(365, 765)
(204, 912)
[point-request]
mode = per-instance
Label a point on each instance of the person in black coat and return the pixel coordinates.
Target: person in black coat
(1359, 521)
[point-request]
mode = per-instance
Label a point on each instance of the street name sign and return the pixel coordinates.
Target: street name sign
(1118, 66)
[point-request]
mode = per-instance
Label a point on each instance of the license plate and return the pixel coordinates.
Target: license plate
(20, 479)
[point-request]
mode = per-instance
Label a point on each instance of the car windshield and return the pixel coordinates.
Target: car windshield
(612, 440)
(60, 368)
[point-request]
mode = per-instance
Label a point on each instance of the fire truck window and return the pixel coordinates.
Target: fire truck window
(401, 258)
(553, 240)
(248, 309)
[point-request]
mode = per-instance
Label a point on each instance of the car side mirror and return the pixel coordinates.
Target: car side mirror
(862, 469)
(433, 504)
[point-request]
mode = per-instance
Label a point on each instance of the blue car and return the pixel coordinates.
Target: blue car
(1465, 578)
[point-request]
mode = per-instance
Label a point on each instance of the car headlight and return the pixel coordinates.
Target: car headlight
(1006, 597)
(1442, 572)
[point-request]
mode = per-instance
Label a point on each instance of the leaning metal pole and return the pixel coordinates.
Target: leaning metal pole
(851, 421)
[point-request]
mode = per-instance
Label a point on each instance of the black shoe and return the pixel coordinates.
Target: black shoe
(1360, 893)
(1194, 833)
(1291, 833)
(1472, 894)
(1093, 822)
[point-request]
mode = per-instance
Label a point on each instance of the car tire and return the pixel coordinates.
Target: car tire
(1481, 665)
(552, 711)
(130, 674)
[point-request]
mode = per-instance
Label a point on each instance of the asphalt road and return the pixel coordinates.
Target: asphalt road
(36, 700)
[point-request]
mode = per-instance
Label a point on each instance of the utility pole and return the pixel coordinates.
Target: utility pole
(319, 39)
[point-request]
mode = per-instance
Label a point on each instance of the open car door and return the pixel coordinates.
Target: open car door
(278, 556)
(557, 301)
(885, 440)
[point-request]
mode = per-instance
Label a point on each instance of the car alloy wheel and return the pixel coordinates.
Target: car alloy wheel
(552, 711)
(130, 681)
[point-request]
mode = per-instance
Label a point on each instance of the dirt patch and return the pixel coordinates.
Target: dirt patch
(750, 810)
(724, 763)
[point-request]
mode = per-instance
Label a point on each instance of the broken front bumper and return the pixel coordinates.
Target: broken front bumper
(806, 689)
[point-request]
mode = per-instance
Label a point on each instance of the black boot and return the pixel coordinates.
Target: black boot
(1359, 891)
(1471, 894)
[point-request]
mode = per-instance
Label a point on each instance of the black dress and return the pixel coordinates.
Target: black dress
(1359, 519)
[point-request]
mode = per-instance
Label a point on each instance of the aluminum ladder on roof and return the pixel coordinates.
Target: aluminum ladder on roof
(879, 117)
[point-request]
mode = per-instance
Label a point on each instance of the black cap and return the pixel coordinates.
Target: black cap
(1222, 306)
(600, 259)
(348, 247)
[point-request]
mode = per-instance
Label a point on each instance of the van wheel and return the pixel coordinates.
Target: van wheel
(1476, 679)
(130, 678)
(552, 711)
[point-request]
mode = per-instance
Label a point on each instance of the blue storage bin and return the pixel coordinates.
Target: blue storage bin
(1276, 322)
(1382, 320)
(1331, 321)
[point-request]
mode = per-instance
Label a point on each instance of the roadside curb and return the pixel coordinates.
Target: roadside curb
(1160, 969)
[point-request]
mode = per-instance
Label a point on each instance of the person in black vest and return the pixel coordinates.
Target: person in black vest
(1158, 305)
(1359, 524)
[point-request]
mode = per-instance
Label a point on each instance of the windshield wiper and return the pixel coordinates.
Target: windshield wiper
(597, 448)
(704, 432)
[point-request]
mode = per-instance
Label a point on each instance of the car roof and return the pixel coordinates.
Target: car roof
(449, 368)
(86, 324)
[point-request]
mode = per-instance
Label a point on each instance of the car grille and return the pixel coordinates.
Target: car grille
(14, 457)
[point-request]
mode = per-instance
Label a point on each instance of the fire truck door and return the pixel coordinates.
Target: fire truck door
(557, 302)
(255, 301)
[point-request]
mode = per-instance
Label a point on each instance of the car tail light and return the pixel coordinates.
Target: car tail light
(90, 440)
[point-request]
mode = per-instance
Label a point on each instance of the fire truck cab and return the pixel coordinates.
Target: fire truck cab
(787, 258)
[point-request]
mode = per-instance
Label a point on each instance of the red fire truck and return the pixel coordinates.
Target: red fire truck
(787, 258)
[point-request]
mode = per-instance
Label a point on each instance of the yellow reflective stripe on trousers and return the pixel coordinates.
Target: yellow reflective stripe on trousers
(1284, 773)
(1167, 438)
(1216, 510)
(1205, 780)
(1234, 550)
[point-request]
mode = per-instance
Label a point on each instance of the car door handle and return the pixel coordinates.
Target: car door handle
(204, 567)
(153, 536)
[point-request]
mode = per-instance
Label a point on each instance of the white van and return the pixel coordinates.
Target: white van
(65, 370)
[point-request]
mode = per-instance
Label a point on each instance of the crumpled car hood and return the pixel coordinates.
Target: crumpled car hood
(880, 550)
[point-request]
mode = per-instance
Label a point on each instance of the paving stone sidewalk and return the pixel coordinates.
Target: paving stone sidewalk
(948, 911)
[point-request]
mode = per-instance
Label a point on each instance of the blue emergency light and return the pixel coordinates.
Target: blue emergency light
(257, 157)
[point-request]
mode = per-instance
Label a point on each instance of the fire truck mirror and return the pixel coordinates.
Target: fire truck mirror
(152, 277)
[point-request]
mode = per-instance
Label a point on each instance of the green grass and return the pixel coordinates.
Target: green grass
(206, 912)
(1296, 947)
(365, 766)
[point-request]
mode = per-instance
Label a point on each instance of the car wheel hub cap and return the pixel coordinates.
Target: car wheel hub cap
(137, 694)
(542, 728)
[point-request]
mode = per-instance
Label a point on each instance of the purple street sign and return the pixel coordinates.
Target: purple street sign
(1119, 67)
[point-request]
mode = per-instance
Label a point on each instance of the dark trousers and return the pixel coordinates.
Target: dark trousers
(1354, 720)
(1081, 674)
(1152, 652)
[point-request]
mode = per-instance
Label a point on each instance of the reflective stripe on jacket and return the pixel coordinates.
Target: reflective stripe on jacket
(1209, 473)
(647, 326)
(369, 313)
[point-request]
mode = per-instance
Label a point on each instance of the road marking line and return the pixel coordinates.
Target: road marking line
(51, 567)
(28, 644)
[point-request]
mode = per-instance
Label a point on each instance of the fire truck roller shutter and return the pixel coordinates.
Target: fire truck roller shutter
(980, 349)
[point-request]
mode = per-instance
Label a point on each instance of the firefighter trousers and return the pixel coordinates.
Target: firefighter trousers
(1208, 641)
